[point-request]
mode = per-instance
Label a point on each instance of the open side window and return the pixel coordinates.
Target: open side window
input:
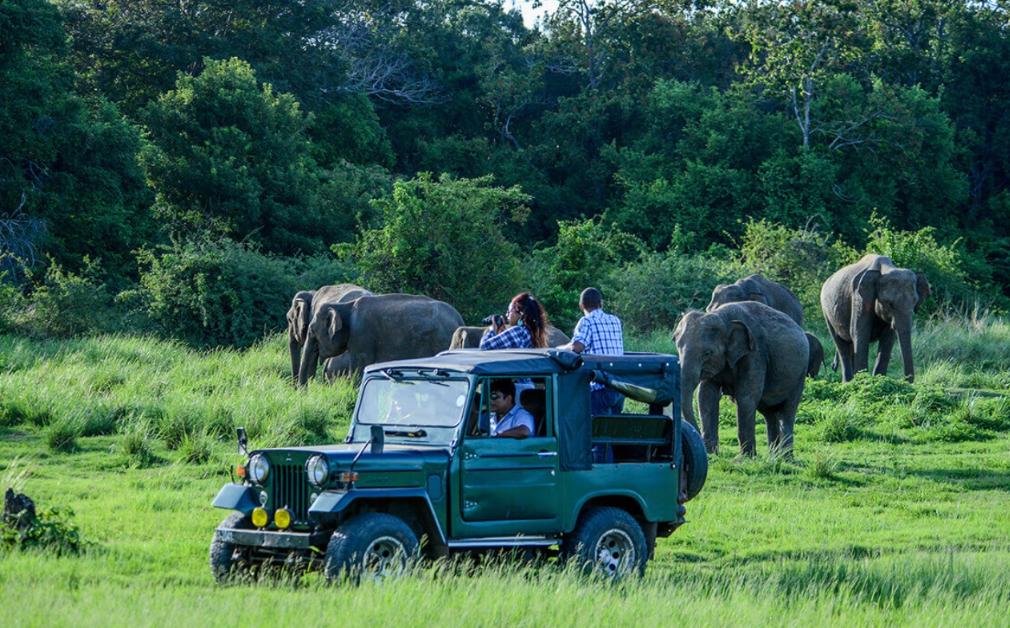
(531, 393)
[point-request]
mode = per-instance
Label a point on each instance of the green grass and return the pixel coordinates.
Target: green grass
(902, 521)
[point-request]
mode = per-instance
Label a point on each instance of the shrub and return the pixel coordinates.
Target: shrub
(445, 238)
(61, 436)
(584, 255)
(65, 304)
(212, 293)
(196, 447)
(655, 291)
(841, 425)
(135, 444)
(53, 530)
(800, 259)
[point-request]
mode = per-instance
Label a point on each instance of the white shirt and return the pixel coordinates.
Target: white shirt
(516, 416)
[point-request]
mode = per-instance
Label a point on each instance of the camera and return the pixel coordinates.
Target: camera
(495, 319)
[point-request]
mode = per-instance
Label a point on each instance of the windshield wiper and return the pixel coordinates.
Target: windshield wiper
(431, 375)
(394, 375)
(405, 434)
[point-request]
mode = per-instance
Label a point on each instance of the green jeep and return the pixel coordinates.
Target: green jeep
(419, 463)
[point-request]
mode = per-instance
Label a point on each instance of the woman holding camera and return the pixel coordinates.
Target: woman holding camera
(523, 329)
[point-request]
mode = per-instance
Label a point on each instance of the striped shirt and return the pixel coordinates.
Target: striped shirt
(601, 334)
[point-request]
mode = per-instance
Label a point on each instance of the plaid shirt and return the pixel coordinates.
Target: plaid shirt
(601, 334)
(517, 337)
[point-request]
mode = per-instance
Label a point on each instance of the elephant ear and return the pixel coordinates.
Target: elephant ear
(922, 287)
(740, 342)
(335, 322)
(864, 294)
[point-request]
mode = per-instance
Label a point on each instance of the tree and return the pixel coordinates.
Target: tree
(69, 183)
(230, 156)
(795, 45)
(445, 238)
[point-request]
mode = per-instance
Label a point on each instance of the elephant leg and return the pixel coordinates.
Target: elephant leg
(844, 353)
(746, 411)
(339, 366)
(772, 422)
(708, 406)
(884, 348)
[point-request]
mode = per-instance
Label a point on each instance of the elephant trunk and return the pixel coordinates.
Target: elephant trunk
(295, 348)
(690, 375)
(903, 327)
(310, 359)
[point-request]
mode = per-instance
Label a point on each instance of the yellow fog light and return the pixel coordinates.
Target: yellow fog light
(260, 517)
(282, 518)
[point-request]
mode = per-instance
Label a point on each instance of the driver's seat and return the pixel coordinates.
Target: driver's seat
(535, 402)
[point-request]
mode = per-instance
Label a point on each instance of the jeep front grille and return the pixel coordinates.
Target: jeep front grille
(291, 489)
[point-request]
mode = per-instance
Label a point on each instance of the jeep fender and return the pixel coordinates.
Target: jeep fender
(622, 495)
(330, 504)
(236, 497)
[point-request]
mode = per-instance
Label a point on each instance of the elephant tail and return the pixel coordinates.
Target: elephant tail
(816, 355)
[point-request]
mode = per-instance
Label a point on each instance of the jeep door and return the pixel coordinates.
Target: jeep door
(510, 486)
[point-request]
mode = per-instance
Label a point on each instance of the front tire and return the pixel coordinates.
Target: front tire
(371, 545)
(228, 560)
(607, 542)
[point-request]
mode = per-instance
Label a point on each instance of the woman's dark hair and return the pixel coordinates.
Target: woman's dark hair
(534, 317)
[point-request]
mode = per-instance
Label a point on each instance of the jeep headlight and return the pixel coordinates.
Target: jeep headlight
(318, 470)
(259, 468)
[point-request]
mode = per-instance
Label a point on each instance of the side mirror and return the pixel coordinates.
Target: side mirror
(243, 441)
(378, 439)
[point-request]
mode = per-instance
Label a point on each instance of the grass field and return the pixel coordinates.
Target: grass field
(896, 509)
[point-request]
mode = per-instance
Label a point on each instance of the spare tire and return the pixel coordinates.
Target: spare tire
(695, 466)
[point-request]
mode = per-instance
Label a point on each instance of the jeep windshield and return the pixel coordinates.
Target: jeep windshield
(415, 399)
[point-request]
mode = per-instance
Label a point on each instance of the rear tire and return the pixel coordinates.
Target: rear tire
(695, 467)
(607, 542)
(371, 545)
(228, 560)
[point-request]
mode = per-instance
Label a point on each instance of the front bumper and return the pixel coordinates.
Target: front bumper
(265, 538)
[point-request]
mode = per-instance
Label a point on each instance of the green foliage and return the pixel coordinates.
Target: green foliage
(135, 445)
(214, 293)
(229, 156)
(945, 265)
(655, 291)
(65, 304)
(52, 531)
(585, 254)
(445, 238)
(800, 259)
(62, 434)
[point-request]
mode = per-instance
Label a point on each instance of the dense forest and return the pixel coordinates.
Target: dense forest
(184, 167)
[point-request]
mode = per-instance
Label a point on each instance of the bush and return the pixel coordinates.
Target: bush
(53, 530)
(800, 259)
(211, 293)
(197, 447)
(585, 254)
(61, 436)
(945, 265)
(445, 238)
(63, 304)
(135, 444)
(655, 291)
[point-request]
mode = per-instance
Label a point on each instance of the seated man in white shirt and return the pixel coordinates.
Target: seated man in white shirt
(510, 420)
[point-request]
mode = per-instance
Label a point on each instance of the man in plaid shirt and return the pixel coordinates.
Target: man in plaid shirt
(599, 333)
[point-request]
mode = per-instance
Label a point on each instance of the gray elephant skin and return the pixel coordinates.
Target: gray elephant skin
(377, 328)
(300, 315)
(468, 337)
(752, 353)
(774, 295)
(872, 300)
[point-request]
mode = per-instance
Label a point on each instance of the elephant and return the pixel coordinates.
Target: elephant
(757, 288)
(468, 337)
(755, 354)
(300, 315)
(775, 295)
(377, 328)
(872, 300)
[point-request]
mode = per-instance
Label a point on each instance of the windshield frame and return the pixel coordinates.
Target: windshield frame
(416, 376)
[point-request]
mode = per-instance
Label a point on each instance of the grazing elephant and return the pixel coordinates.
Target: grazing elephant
(300, 315)
(757, 288)
(377, 328)
(751, 352)
(469, 337)
(872, 300)
(816, 355)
